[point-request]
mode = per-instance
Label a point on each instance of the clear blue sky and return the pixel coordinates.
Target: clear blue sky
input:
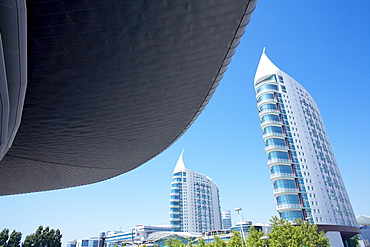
(324, 45)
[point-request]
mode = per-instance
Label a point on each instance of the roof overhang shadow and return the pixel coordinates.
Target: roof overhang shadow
(111, 84)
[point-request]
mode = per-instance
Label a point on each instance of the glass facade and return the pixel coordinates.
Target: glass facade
(280, 150)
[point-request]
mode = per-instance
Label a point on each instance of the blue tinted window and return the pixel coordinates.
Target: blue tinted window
(272, 129)
(175, 197)
(281, 169)
(267, 87)
(267, 96)
(268, 107)
(288, 199)
(174, 216)
(292, 215)
(275, 142)
(284, 183)
(278, 155)
(270, 117)
(175, 203)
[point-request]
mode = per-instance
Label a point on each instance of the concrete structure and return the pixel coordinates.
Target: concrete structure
(137, 235)
(92, 89)
(226, 219)
(306, 178)
(194, 201)
(364, 222)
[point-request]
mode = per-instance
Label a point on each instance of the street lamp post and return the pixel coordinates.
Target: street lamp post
(132, 236)
(241, 225)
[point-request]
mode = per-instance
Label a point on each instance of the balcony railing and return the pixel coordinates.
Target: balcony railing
(289, 206)
(271, 122)
(281, 190)
(271, 161)
(277, 175)
(269, 110)
(273, 134)
(267, 100)
(275, 147)
(266, 90)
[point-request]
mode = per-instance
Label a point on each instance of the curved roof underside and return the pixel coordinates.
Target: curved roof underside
(113, 83)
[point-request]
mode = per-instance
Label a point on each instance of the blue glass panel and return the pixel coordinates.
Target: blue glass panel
(270, 117)
(273, 129)
(268, 107)
(284, 183)
(278, 155)
(281, 169)
(292, 215)
(267, 96)
(267, 87)
(275, 142)
(288, 199)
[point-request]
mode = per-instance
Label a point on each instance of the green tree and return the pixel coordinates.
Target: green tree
(298, 233)
(174, 243)
(236, 240)
(201, 242)
(44, 238)
(218, 242)
(254, 238)
(4, 235)
(13, 240)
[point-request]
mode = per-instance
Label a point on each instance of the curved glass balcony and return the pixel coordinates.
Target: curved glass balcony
(270, 148)
(276, 176)
(280, 191)
(271, 162)
(264, 101)
(272, 134)
(263, 112)
(270, 122)
(286, 207)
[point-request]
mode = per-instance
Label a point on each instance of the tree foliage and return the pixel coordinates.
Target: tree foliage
(44, 238)
(254, 238)
(236, 240)
(14, 240)
(174, 243)
(286, 234)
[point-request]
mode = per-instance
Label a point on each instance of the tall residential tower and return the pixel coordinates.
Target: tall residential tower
(305, 176)
(194, 201)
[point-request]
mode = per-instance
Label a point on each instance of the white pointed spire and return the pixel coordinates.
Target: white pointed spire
(265, 67)
(180, 166)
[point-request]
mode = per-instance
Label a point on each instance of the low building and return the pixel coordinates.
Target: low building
(136, 235)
